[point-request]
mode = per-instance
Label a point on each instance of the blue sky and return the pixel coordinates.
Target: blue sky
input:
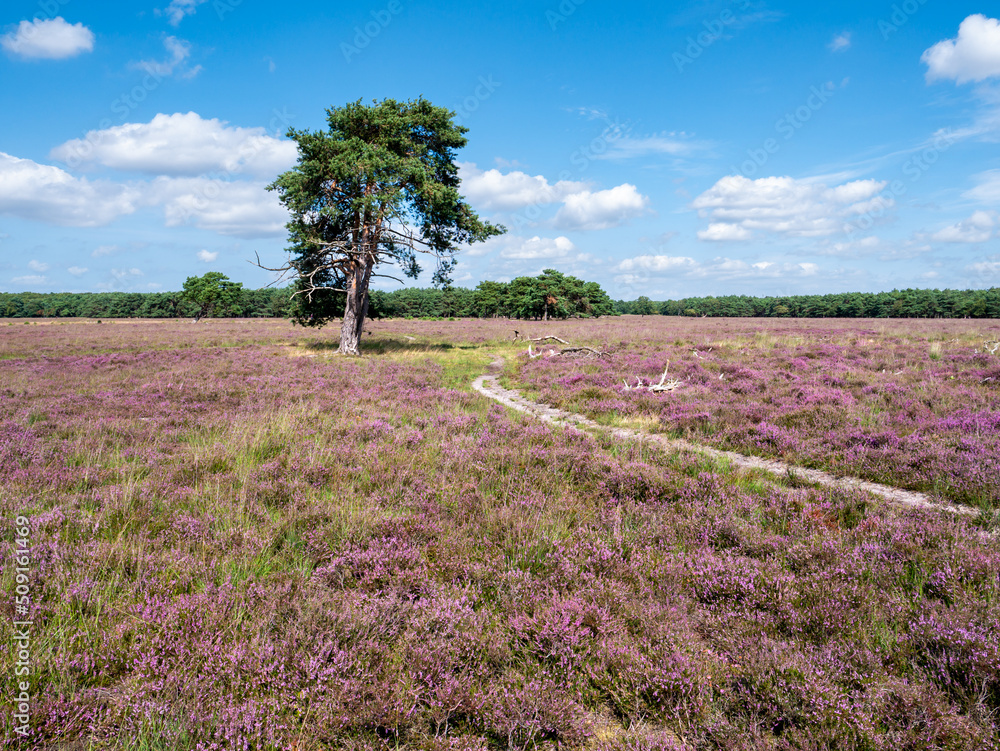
(664, 149)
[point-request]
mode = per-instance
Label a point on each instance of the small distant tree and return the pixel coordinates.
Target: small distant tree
(643, 306)
(593, 301)
(489, 299)
(213, 293)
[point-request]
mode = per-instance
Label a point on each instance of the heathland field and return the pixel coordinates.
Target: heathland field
(239, 541)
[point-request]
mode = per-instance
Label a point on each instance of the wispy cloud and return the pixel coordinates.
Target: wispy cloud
(840, 42)
(180, 51)
(178, 9)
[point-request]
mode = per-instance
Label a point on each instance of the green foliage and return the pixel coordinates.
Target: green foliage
(908, 303)
(377, 188)
(644, 306)
(490, 299)
(213, 293)
(263, 303)
(549, 295)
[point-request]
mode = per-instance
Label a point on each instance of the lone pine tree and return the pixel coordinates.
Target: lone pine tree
(377, 188)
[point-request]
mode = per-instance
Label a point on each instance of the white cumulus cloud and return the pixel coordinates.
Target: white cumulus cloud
(639, 269)
(601, 209)
(207, 256)
(656, 263)
(240, 208)
(516, 247)
(50, 39)
(721, 231)
(45, 193)
(77, 270)
(538, 247)
(978, 228)
(493, 190)
(39, 266)
(181, 144)
(738, 206)
(974, 55)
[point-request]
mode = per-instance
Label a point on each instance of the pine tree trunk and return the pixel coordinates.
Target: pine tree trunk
(355, 311)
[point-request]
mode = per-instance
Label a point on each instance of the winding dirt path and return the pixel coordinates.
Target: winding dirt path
(488, 385)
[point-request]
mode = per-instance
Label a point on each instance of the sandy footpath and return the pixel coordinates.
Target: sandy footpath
(488, 385)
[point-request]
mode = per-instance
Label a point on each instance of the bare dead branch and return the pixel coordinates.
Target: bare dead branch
(656, 388)
(552, 352)
(547, 338)
(589, 351)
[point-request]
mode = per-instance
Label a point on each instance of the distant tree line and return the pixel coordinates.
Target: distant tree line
(248, 303)
(907, 303)
(549, 295)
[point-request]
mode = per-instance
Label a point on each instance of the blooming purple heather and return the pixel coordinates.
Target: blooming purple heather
(240, 542)
(914, 404)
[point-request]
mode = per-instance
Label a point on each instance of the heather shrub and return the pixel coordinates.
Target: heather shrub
(235, 548)
(875, 405)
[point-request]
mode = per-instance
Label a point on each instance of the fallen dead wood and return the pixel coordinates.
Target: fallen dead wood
(663, 385)
(589, 351)
(549, 338)
(567, 350)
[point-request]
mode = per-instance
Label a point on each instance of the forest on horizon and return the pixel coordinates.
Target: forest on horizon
(550, 294)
